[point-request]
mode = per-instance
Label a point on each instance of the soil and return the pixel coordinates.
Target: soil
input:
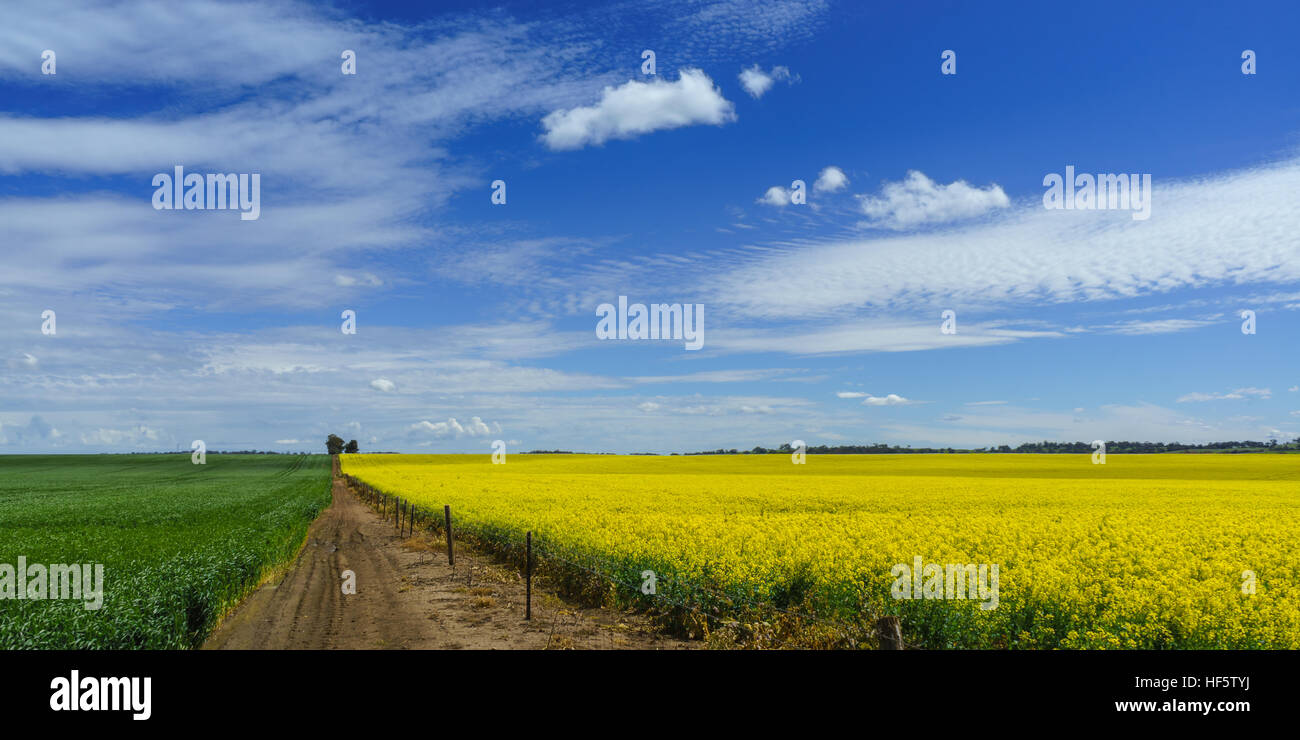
(408, 597)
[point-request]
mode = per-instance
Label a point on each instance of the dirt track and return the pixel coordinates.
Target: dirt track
(408, 597)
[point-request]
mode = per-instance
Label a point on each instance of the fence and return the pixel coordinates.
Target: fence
(885, 631)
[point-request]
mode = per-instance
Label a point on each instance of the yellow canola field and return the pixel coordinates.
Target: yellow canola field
(1146, 551)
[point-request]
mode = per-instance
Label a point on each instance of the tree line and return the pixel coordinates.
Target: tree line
(1043, 447)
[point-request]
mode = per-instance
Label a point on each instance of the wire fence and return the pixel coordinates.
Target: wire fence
(681, 602)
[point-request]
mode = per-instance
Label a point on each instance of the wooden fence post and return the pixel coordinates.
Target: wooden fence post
(451, 555)
(528, 577)
(890, 633)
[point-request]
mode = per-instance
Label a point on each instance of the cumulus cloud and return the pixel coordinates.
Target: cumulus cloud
(117, 437)
(917, 200)
(35, 431)
(635, 108)
(775, 196)
(649, 406)
(757, 82)
(832, 178)
(893, 399)
(475, 427)
(384, 385)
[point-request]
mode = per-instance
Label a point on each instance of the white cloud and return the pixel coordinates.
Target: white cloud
(288, 441)
(1294, 388)
(342, 191)
(721, 29)
(866, 336)
(1161, 326)
(635, 108)
(366, 279)
(475, 427)
(851, 394)
(1010, 425)
(832, 178)
(757, 82)
(917, 200)
(36, 431)
(892, 399)
(1237, 395)
(648, 406)
(775, 196)
(715, 376)
(137, 435)
(384, 385)
(1221, 230)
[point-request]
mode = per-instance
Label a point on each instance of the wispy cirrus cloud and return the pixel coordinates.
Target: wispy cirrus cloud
(1236, 395)
(1232, 229)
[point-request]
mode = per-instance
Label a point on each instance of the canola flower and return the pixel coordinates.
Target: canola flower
(1147, 551)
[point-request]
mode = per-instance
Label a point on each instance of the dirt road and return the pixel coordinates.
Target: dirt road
(408, 597)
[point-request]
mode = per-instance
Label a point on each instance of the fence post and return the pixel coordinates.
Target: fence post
(451, 555)
(528, 577)
(890, 634)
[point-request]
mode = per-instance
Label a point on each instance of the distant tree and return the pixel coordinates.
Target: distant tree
(334, 444)
(351, 447)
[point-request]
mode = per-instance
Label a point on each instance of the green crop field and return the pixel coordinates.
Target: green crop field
(180, 543)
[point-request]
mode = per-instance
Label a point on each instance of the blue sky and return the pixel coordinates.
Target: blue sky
(476, 321)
